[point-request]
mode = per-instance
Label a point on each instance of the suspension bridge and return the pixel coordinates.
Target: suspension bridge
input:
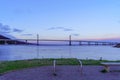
(69, 42)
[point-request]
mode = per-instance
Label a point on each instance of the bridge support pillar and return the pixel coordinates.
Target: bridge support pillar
(70, 40)
(89, 43)
(80, 43)
(5, 42)
(26, 41)
(37, 39)
(96, 43)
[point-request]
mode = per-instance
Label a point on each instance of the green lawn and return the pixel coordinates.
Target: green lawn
(6, 66)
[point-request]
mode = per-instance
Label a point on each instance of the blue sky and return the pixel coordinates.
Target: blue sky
(57, 19)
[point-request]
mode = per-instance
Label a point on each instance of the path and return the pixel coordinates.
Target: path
(63, 73)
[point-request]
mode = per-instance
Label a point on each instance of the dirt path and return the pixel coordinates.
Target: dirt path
(63, 73)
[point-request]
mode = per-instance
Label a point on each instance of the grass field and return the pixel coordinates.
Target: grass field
(6, 66)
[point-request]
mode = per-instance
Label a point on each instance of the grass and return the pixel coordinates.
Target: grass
(6, 66)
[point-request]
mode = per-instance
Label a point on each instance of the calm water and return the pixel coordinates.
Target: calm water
(19, 52)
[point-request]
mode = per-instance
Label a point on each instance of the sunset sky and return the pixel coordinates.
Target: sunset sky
(57, 19)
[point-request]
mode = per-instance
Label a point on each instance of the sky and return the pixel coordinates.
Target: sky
(57, 19)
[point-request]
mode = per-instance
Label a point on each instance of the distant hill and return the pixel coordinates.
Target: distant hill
(10, 41)
(3, 37)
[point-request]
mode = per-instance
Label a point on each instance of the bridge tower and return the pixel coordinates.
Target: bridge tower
(69, 40)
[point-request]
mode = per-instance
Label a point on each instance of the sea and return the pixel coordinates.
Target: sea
(22, 52)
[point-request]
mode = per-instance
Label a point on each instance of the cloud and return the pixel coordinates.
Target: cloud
(60, 28)
(20, 11)
(17, 30)
(4, 28)
(75, 34)
(27, 34)
(68, 29)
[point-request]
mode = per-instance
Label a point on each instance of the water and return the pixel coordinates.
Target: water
(20, 52)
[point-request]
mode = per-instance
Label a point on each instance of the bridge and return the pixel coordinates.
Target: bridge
(69, 42)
